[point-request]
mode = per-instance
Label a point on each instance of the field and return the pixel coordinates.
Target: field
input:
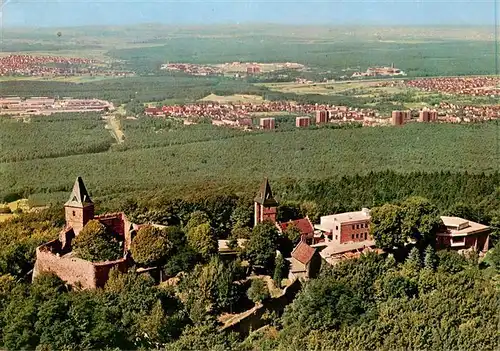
(21, 204)
(355, 88)
(237, 98)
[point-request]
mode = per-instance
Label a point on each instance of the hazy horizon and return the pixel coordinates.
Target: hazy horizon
(67, 13)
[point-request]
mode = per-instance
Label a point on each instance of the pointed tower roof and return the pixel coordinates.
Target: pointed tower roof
(79, 196)
(265, 196)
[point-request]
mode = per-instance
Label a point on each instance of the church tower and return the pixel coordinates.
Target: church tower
(265, 204)
(79, 209)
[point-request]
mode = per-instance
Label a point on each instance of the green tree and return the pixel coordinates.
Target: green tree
(279, 270)
(210, 288)
(150, 246)
(288, 211)
(413, 261)
(427, 281)
(95, 243)
(310, 209)
(183, 257)
(323, 304)
(261, 248)
(258, 290)
(495, 228)
(493, 257)
(204, 336)
(195, 219)
(157, 327)
(203, 240)
(385, 226)
(394, 284)
(451, 261)
(241, 233)
(430, 258)
(241, 217)
(293, 234)
(421, 220)
(463, 210)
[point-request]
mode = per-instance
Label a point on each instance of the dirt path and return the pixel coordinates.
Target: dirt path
(113, 125)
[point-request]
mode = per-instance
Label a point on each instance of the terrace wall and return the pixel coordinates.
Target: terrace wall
(253, 318)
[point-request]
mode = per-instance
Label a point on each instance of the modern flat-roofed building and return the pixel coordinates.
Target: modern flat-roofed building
(346, 227)
(461, 234)
(424, 116)
(398, 118)
(302, 122)
(267, 123)
(433, 115)
(407, 115)
(10, 100)
(321, 116)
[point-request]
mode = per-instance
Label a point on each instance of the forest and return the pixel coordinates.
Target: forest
(35, 138)
(419, 59)
(374, 302)
(130, 89)
(160, 159)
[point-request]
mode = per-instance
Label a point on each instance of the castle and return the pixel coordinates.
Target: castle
(57, 256)
(337, 237)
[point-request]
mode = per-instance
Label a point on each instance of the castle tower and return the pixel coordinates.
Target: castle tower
(265, 204)
(79, 209)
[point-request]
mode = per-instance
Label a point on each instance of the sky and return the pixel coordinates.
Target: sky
(64, 13)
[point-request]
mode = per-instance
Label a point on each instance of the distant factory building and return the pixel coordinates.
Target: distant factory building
(267, 123)
(253, 69)
(302, 122)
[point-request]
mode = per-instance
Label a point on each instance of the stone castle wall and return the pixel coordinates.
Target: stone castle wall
(74, 270)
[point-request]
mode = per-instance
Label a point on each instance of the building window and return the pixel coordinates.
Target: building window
(336, 237)
(366, 225)
(357, 236)
(336, 227)
(74, 213)
(459, 240)
(366, 236)
(352, 236)
(353, 226)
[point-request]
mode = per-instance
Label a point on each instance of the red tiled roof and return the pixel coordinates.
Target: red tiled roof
(303, 253)
(304, 225)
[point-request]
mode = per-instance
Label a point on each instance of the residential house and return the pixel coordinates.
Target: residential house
(305, 262)
(461, 234)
